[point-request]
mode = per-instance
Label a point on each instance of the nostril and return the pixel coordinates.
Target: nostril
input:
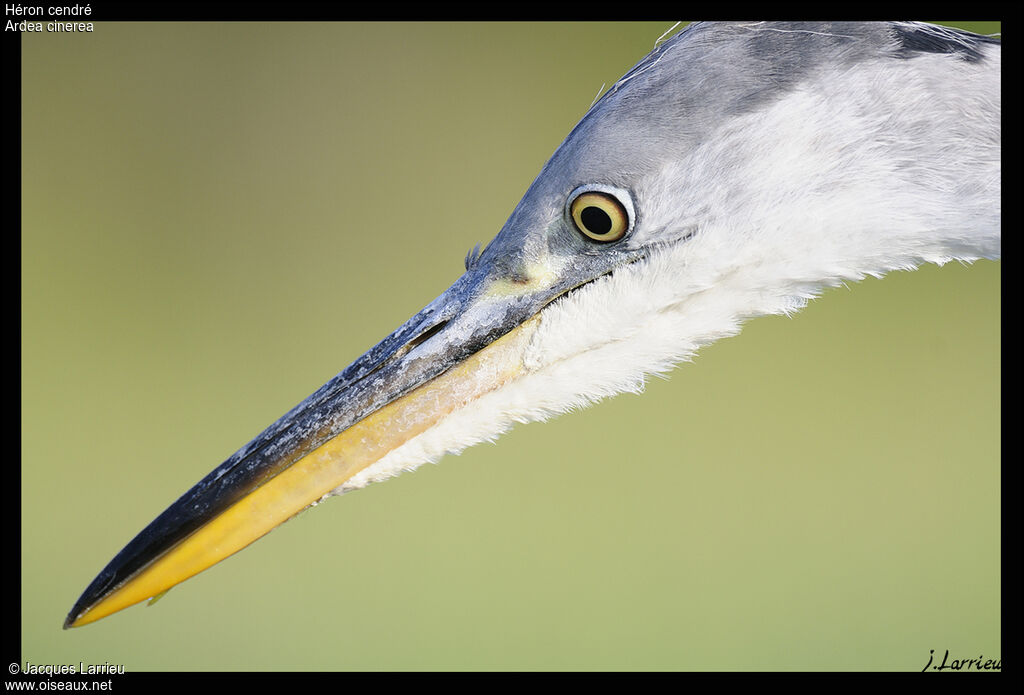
(404, 350)
(425, 335)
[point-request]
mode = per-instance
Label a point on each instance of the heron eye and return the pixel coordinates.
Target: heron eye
(599, 216)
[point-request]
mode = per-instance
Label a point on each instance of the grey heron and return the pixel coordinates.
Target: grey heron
(734, 172)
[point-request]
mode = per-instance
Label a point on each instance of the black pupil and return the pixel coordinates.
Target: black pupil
(596, 220)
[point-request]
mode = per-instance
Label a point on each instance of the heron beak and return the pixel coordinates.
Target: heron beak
(466, 343)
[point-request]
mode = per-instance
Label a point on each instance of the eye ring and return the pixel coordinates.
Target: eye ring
(599, 213)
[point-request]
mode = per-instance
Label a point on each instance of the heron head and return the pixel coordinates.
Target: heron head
(734, 172)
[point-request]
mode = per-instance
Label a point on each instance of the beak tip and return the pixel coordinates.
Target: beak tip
(74, 618)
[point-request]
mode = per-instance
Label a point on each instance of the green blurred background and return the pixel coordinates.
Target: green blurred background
(218, 217)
